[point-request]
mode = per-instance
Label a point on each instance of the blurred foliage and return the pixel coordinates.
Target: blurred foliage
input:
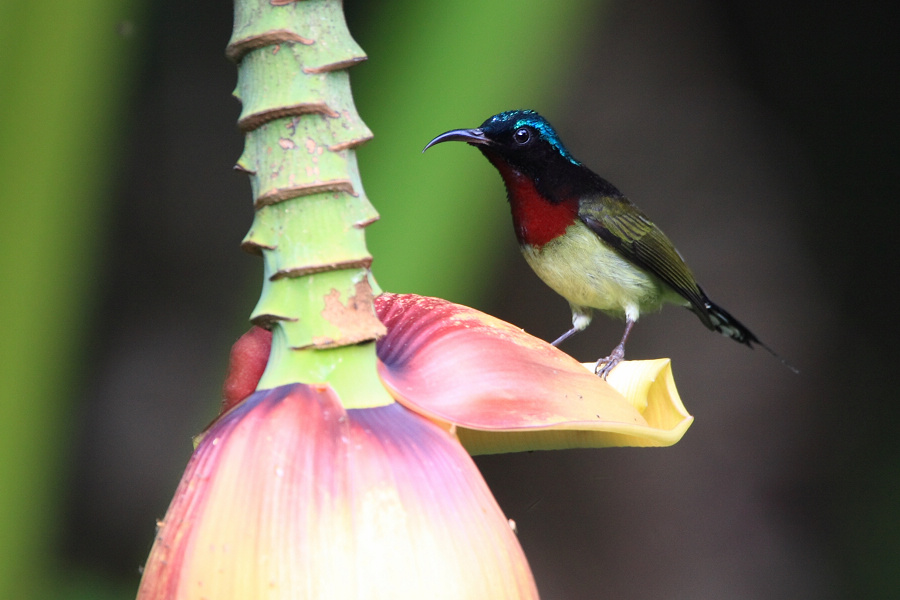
(66, 68)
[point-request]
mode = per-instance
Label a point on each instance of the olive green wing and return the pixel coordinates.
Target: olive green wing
(624, 227)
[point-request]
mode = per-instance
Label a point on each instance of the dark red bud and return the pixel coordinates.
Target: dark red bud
(246, 364)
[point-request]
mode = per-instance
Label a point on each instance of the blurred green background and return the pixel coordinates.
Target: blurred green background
(762, 137)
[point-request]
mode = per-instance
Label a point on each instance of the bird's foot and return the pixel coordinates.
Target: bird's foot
(605, 365)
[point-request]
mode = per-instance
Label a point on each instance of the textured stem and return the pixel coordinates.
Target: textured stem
(301, 130)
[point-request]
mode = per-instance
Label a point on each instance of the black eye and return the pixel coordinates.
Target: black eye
(522, 136)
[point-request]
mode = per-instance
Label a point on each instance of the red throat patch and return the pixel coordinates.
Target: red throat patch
(536, 219)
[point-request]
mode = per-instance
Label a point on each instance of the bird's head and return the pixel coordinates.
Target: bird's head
(544, 183)
(520, 139)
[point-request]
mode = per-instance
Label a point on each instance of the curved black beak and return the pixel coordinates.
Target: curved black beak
(472, 136)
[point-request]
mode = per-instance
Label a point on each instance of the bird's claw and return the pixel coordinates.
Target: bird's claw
(605, 365)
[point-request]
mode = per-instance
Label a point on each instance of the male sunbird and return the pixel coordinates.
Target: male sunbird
(584, 238)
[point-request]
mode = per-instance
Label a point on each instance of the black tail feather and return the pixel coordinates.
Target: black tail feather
(718, 319)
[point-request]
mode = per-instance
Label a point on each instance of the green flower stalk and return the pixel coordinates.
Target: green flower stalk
(340, 465)
(301, 129)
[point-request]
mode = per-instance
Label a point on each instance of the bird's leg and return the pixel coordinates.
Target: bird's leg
(581, 318)
(565, 336)
(605, 365)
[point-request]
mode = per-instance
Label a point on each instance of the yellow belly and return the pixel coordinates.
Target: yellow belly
(588, 273)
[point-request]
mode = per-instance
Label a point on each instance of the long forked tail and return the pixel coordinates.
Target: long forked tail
(718, 319)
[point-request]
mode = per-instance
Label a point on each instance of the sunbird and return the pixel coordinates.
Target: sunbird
(584, 238)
